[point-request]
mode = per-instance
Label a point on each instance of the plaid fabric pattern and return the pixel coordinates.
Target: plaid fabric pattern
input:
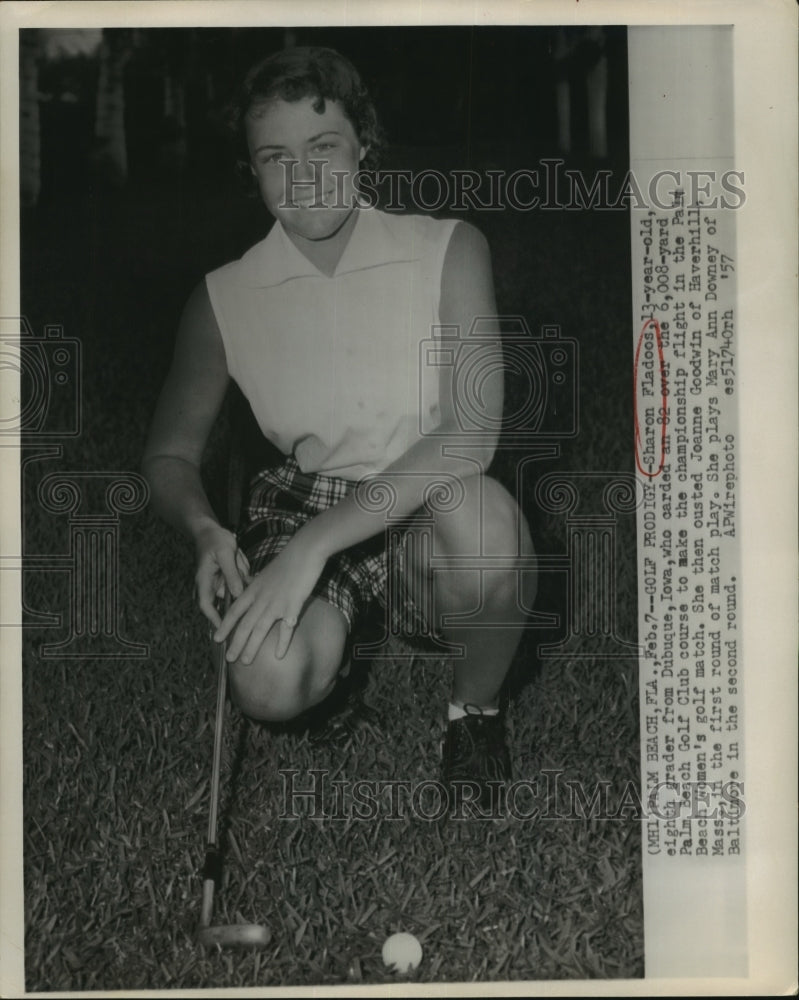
(282, 500)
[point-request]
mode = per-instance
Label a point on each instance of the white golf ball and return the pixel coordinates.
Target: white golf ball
(402, 952)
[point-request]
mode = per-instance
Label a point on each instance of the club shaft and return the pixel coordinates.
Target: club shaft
(219, 726)
(225, 935)
(220, 649)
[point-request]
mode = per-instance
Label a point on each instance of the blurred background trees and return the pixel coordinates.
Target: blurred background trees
(111, 107)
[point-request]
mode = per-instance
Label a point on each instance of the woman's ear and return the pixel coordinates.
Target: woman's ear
(362, 153)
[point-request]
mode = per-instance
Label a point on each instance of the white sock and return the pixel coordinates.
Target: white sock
(455, 712)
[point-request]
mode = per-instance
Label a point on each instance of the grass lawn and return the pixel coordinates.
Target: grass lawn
(117, 753)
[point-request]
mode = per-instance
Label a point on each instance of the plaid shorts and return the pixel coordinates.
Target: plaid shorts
(283, 499)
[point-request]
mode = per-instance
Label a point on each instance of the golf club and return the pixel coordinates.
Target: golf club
(208, 934)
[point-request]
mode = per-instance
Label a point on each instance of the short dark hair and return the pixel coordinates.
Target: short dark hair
(308, 71)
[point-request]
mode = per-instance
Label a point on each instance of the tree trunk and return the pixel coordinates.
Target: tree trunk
(30, 164)
(111, 155)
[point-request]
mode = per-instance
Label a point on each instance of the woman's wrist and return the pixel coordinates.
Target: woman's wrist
(316, 538)
(198, 524)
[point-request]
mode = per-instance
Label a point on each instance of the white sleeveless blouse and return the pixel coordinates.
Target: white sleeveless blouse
(336, 369)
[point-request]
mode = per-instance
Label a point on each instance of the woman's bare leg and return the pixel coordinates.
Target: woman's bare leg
(273, 690)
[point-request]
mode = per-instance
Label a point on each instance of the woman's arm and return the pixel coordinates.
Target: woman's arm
(280, 591)
(467, 292)
(187, 408)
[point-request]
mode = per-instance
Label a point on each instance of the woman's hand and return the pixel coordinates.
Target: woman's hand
(278, 593)
(220, 564)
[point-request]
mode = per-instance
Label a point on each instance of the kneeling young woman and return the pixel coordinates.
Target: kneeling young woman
(321, 325)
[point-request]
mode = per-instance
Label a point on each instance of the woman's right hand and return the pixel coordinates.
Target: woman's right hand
(220, 564)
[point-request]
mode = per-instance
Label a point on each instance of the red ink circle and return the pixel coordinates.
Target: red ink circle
(663, 397)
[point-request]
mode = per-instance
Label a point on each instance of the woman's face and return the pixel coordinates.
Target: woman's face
(311, 199)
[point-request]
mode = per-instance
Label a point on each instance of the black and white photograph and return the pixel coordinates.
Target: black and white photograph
(376, 589)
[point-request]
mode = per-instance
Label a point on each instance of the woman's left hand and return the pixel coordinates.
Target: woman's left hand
(278, 593)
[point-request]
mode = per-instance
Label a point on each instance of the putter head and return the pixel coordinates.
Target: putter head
(234, 936)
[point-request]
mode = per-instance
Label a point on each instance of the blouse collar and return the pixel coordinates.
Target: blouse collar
(376, 239)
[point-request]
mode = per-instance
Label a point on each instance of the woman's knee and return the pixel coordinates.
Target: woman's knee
(276, 690)
(488, 520)
(504, 527)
